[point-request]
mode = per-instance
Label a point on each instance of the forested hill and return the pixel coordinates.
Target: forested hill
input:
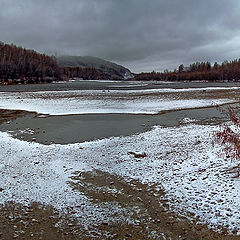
(115, 71)
(18, 65)
(227, 71)
(86, 73)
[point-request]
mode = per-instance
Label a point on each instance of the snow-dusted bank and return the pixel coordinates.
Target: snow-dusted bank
(91, 102)
(180, 160)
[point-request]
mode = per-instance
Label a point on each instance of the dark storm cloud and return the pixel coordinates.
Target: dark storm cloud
(142, 34)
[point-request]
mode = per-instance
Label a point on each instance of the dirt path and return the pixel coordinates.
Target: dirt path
(148, 208)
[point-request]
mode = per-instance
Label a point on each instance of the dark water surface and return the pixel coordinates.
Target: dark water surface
(113, 85)
(80, 128)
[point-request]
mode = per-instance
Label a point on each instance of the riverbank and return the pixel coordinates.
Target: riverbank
(129, 209)
(115, 176)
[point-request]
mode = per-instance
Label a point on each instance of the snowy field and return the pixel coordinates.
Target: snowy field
(90, 102)
(180, 160)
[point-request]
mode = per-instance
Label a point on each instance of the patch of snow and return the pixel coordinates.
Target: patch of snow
(181, 160)
(128, 75)
(178, 90)
(84, 102)
(31, 172)
(188, 120)
(27, 131)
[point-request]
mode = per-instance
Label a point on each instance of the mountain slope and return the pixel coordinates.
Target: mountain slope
(115, 70)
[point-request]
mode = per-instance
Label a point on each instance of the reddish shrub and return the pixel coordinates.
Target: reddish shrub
(229, 135)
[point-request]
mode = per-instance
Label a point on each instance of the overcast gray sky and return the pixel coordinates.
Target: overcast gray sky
(143, 35)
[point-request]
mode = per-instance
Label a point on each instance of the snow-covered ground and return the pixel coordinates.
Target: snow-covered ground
(90, 102)
(181, 160)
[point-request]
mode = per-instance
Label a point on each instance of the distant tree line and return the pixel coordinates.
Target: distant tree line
(19, 65)
(26, 66)
(229, 71)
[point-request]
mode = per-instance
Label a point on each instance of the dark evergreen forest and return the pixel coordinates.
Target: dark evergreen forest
(19, 65)
(203, 71)
(26, 66)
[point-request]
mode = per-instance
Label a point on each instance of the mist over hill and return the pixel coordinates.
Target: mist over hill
(107, 67)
